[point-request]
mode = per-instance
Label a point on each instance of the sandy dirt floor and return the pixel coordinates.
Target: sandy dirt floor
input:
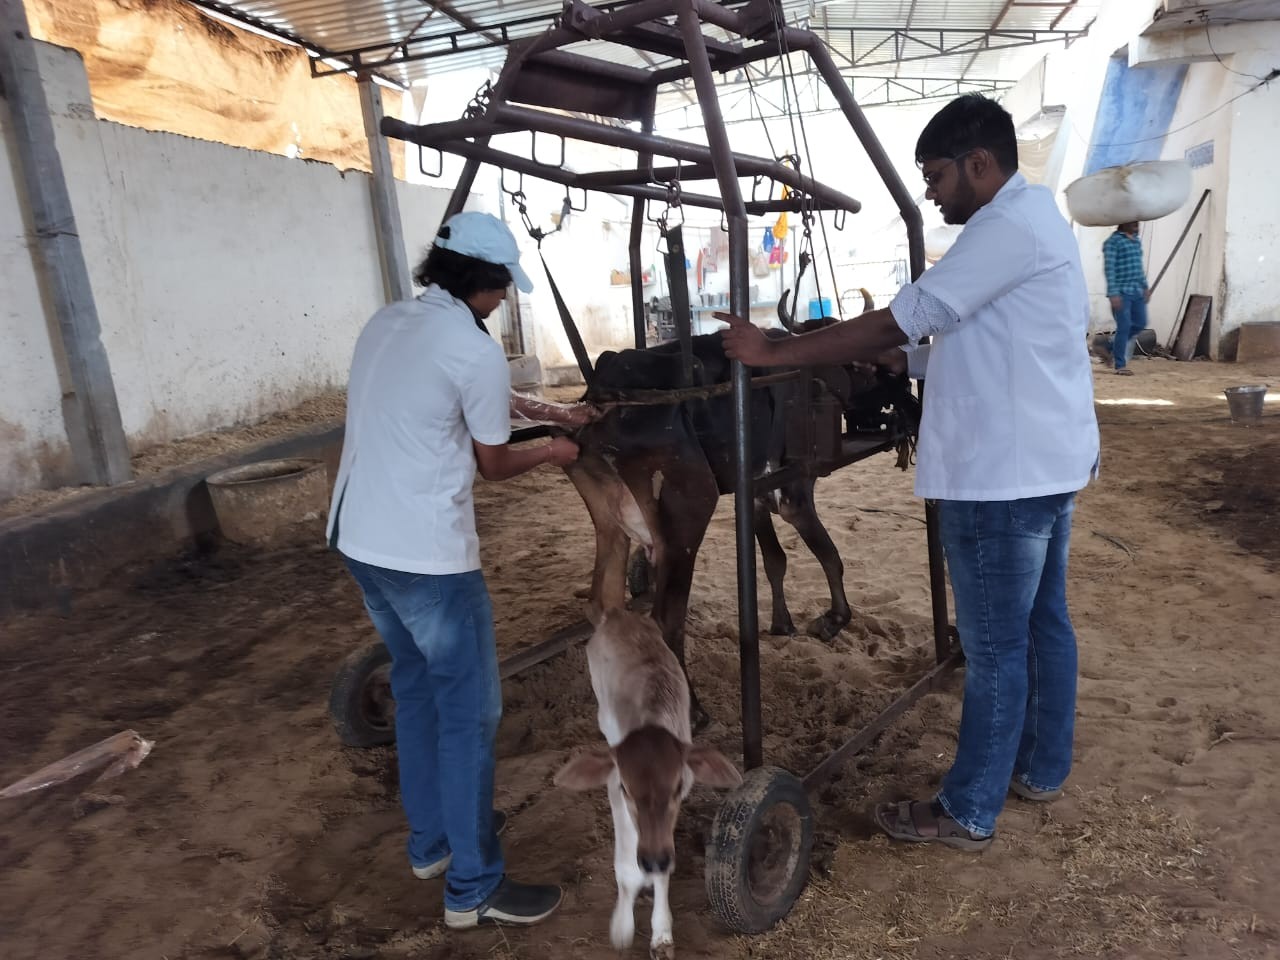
(251, 833)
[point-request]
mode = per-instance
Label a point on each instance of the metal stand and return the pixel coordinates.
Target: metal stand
(538, 74)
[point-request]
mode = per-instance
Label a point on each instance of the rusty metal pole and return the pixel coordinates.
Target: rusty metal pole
(915, 246)
(739, 304)
(637, 233)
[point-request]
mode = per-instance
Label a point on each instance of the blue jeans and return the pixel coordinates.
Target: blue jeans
(1008, 566)
(444, 677)
(1131, 319)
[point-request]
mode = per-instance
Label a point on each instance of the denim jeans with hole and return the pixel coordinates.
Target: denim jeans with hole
(444, 677)
(1007, 561)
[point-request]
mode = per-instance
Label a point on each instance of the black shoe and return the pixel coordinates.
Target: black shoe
(517, 904)
(429, 871)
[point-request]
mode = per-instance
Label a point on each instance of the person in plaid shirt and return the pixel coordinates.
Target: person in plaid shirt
(1126, 289)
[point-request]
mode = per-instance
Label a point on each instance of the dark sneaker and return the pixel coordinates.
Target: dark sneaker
(430, 871)
(1033, 794)
(517, 904)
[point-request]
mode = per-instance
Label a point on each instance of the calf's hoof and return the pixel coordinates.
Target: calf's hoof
(666, 950)
(699, 719)
(622, 929)
(828, 625)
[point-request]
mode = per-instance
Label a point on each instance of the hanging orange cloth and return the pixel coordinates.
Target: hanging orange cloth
(780, 225)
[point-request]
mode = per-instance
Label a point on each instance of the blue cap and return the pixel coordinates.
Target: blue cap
(485, 237)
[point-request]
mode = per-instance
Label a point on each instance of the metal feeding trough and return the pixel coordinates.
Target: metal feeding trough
(255, 501)
(757, 859)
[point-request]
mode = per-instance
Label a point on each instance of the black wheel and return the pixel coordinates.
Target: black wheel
(758, 856)
(639, 580)
(360, 702)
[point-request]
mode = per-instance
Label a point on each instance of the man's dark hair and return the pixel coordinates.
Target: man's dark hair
(969, 123)
(461, 275)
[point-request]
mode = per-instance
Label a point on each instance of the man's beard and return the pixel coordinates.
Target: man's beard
(963, 202)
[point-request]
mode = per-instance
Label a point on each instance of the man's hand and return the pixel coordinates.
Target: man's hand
(894, 360)
(746, 342)
(1117, 303)
(561, 452)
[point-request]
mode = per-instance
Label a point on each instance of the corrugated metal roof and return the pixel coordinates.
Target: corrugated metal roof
(919, 38)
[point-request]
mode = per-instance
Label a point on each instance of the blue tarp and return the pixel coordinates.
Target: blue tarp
(1136, 105)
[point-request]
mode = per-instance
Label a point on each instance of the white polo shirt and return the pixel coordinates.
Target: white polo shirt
(1008, 410)
(425, 381)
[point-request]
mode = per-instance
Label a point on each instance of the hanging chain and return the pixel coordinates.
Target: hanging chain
(479, 104)
(521, 204)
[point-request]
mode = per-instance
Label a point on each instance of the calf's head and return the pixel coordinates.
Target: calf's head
(655, 772)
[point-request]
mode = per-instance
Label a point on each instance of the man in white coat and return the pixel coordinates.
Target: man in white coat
(1007, 438)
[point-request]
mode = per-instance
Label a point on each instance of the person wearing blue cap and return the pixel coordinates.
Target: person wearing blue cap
(428, 406)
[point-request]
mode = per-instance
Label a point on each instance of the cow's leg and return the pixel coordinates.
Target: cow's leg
(662, 940)
(797, 508)
(626, 868)
(775, 568)
(687, 501)
(599, 486)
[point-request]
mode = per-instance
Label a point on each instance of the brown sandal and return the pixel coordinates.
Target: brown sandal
(915, 822)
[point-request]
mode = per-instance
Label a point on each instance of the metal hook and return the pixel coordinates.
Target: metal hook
(533, 151)
(502, 183)
(439, 171)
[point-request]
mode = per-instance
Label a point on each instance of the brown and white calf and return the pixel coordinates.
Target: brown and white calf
(648, 762)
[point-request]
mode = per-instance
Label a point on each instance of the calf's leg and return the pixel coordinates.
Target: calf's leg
(662, 941)
(626, 869)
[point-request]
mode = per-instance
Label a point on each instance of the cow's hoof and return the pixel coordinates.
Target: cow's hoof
(662, 951)
(827, 626)
(783, 628)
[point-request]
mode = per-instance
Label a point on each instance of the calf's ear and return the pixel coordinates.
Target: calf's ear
(589, 769)
(711, 767)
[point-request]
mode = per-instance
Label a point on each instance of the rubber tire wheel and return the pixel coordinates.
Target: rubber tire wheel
(360, 703)
(639, 574)
(750, 897)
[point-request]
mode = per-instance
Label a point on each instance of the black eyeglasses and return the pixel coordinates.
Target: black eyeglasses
(933, 176)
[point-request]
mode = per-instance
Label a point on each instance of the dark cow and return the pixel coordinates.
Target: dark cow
(653, 474)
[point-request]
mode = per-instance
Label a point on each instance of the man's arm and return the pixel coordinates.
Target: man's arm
(486, 410)
(854, 341)
(1110, 268)
(503, 461)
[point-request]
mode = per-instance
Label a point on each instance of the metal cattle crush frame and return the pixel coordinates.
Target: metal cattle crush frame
(757, 859)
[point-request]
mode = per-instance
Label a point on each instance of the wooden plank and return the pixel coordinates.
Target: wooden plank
(1195, 320)
(386, 205)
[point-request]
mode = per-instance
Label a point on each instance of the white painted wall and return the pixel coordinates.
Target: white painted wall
(1252, 267)
(230, 284)
(1236, 227)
